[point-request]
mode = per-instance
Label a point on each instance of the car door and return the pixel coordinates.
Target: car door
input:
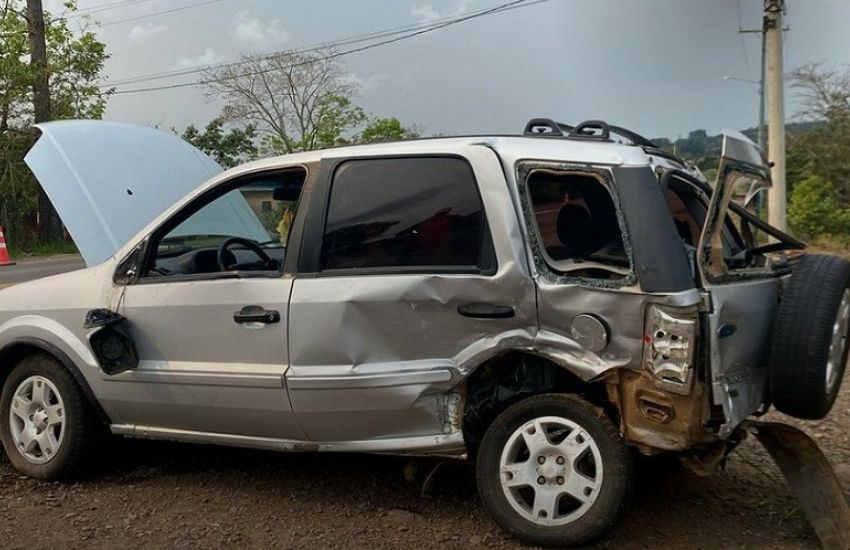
(211, 340)
(409, 276)
(744, 298)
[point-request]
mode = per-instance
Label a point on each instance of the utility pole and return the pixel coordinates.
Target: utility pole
(49, 225)
(776, 195)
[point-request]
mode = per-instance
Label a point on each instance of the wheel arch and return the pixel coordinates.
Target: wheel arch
(514, 375)
(15, 351)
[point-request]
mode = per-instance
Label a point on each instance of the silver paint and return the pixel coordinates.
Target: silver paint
(366, 363)
(589, 332)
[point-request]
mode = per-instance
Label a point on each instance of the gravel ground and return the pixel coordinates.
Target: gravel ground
(154, 495)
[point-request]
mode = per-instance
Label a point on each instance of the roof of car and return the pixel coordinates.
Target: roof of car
(591, 142)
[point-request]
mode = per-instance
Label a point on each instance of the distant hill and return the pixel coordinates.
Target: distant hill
(704, 150)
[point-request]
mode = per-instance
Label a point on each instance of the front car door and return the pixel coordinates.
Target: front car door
(208, 316)
(409, 275)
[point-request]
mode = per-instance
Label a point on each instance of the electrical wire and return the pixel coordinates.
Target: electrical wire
(163, 12)
(515, 4)
(348, 41)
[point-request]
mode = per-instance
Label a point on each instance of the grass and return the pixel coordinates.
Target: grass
(43, 249)
(831, 244)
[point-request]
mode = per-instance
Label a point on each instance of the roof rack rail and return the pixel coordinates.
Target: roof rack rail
(585, 130)
(546, 127)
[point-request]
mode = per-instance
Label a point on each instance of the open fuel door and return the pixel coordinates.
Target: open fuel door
(741, 284)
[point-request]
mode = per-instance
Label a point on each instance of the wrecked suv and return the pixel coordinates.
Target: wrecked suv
(544, 303)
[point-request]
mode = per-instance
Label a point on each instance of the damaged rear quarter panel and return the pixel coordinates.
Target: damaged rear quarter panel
(652, 418)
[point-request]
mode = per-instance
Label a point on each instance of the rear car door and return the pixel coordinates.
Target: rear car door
(743, 292)
(409, 275)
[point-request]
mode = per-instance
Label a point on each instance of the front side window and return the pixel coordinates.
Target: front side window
(577, 224)
(422, 214)
(245, 229)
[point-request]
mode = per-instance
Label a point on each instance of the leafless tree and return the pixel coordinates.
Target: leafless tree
(822, 94)
(297, 101)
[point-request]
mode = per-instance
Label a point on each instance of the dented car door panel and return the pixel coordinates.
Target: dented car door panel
(378, 355)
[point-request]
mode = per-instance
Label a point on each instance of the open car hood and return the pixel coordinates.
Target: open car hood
(108, 180)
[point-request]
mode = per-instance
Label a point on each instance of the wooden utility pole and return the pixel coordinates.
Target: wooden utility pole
(49, 224)
(776, 196)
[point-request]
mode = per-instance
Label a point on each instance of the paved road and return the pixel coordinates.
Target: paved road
(29, 270)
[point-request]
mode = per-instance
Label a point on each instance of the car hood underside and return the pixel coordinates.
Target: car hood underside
(108, 180)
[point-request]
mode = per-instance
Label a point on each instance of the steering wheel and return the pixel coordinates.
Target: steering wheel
(265, 260)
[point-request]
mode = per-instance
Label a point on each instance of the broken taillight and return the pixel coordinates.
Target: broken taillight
(669, 344)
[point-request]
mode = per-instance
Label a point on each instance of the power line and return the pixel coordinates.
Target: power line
(743, 44)
(163, 12)
(104, 7)
(515, 4)
(348, 41)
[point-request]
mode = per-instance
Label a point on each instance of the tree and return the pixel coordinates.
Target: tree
(824, 96)
(386, 129)
(814, 208)
(74, 65)
(50, 226)
(296, 101)
(229, 148)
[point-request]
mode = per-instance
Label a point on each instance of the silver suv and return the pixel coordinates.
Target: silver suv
(544, 304)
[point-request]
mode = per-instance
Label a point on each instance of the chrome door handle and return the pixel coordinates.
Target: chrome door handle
(256, 314)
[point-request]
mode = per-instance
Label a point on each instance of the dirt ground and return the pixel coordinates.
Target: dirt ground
(156, 495)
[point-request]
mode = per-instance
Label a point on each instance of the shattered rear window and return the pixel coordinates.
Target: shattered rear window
(577, 225)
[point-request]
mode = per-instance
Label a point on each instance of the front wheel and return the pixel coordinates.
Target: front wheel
(47, 426)
(554, 471)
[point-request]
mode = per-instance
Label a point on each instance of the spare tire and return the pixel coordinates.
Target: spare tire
(809, 351)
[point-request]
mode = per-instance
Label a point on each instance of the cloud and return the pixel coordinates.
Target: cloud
(252, 33)
(368, 83)
(144, 31)
(209, 57)
(428, 13)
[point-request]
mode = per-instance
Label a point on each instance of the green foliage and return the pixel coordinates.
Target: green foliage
(75, 65)
(339, 115)
(815, 208)
(228, 147)
(386, 129)
(824, 152)
(29, 247)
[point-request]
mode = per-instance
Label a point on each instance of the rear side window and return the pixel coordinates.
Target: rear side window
(577, 224)
(418, 213)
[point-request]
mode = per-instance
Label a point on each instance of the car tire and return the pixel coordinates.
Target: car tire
(581, 471)
(809, 351)
(52, 431)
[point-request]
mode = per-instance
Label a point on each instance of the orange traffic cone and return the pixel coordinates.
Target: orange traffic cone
(4, 252)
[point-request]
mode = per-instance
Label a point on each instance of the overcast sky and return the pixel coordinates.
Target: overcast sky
(655, 66)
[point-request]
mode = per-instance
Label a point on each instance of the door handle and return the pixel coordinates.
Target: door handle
(256, 314)
(486, 311)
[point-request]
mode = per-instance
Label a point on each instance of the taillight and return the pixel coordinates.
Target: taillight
(669, 345)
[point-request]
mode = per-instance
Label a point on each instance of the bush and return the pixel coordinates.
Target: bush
(815, 208)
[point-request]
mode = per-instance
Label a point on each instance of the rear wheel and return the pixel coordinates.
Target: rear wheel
(47, 426)
(554, 471)
(810, 343)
